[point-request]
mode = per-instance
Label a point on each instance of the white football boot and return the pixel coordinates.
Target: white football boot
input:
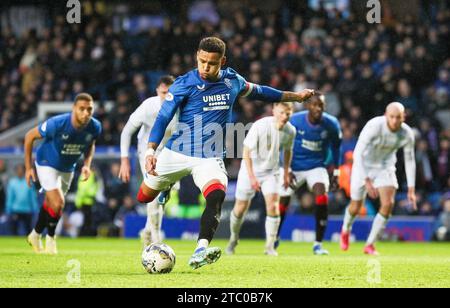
(50, 245)
(35, 241)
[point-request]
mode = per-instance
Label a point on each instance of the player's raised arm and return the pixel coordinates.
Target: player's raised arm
(30, 137)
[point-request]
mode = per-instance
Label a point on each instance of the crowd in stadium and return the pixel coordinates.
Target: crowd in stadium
(360, 67)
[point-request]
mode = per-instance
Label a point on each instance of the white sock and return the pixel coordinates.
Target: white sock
(202, 243)
(272, 224)
(235, 226)
(348, 221)
(378, 225)
(155, 214)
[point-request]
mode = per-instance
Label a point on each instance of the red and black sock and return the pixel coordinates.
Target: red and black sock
(284, 204)
(52, 220)
(321, 216)
(41, 223)
(214, 195)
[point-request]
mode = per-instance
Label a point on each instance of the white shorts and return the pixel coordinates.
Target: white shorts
(52, 179)
(379, 177)
(172, 166)
(310, 177)
(269, 182)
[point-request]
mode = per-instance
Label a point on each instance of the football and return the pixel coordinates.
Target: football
(158, 259)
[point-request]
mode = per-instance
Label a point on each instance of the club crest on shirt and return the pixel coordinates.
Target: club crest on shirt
(169, 97)
(324, 135)
(89, 138)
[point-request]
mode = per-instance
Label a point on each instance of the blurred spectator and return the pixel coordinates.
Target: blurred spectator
(424, 159)
(2, 187)
(21, 202)
(346, 172)
(443, 162)
(85, 201)
(129, 207)
(115, 189)
(443, 230)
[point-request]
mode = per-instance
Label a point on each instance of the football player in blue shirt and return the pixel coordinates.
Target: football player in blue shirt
(204, 98)
(65, 139)
(318, 133)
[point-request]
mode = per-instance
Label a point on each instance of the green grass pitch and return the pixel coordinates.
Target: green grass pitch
(116, 263)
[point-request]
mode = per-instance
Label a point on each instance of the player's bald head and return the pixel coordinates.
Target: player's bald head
(395, 115)
(395, 107)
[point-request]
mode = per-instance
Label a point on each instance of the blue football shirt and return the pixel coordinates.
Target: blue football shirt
(313, 143)
(63, 145)
(205, 109)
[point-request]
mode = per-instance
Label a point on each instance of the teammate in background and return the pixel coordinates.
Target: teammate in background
(205, 98)
(374, 169)
(66, 138)
(260, 171)
(317, 134)
(143, 119)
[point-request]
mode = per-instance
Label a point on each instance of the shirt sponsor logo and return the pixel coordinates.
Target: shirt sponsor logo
(315, 146)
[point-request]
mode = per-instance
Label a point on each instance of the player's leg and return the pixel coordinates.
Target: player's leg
(387, 197)
(237, 217)
(357, 194)
(211, 177)
(152, 231)
(51, 181)
(272, 222)
(351, 212)
(155, 212)
(244, 195)
(285, 198)
(55, 202)
(321, 215)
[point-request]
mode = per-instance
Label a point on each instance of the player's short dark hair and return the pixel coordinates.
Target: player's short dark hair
(83, 97)
(317, 96)
(212, 44)
(167, 80)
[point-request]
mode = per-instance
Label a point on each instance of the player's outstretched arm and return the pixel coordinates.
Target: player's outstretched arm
(30, 137)
(271, 95)
(297, 96)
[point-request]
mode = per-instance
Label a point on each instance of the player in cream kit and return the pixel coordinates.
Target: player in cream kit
(374, 169)
(143, 119)
(260, 171)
